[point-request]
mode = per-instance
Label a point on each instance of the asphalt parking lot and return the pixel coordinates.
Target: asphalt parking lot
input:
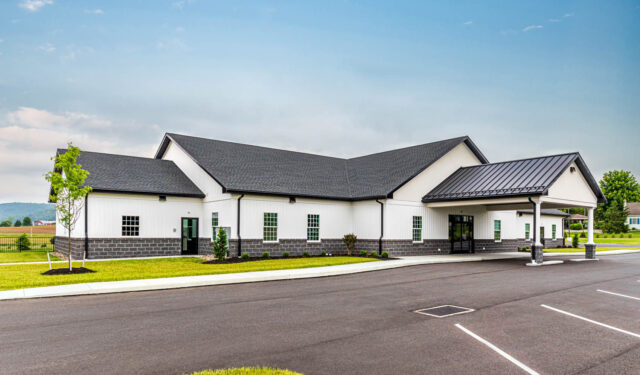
(574, 318)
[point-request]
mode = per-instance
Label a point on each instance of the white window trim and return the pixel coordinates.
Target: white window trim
(319, 240)
(421, 229)
(277, 240)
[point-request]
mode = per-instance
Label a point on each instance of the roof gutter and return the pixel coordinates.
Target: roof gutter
(381, 227)
(238, 227)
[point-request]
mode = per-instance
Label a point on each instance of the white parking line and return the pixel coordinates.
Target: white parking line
(618, 294)
(498, 350)
(592, 321)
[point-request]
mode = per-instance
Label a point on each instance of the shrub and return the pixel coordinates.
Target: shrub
(52, 240)
(574, 241)
(305, 254)
(18, 223)
(285, 254)
(265, 255)
(43, 245)
(363, 253)
(323, 253)
(597, 235)
(23, 243)
(385, 254)
(576, 226)
(245, 256)
(220, 248)
(373, 254)
(350, 242)
(583, 235)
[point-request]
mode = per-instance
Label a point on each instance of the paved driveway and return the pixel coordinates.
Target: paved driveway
(356, 324)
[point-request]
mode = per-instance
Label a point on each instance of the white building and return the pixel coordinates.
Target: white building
(436, 198)
(633, 219)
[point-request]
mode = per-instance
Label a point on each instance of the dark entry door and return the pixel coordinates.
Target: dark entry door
(189, 235)
(461, 233)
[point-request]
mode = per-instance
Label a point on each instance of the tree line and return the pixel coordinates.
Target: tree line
(26, 222)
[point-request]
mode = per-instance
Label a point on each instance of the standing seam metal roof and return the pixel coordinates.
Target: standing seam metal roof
(511, 178)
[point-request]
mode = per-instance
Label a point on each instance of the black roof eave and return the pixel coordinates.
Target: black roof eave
(309, 196)
(515, 195)
(171, 194)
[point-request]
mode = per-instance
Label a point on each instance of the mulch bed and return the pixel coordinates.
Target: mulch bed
(65, 271)
(243, 260)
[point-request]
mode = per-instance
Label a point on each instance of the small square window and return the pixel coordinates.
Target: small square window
(130, 226)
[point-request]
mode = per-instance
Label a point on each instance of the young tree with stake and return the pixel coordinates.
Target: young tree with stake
(69, 192)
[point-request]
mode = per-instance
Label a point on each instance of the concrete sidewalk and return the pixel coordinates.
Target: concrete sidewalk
(249, 277)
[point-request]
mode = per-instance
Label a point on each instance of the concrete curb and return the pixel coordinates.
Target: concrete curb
(248, 277)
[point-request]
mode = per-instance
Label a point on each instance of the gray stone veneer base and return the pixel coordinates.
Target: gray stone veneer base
(102, 248)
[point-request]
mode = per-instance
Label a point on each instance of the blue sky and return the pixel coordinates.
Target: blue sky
(341, 78)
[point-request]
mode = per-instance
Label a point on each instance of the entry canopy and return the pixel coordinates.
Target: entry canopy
(557, 181)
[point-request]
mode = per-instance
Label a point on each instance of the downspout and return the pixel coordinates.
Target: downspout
(381, 227)
(238, 227)
(86, 226)
(533, 253)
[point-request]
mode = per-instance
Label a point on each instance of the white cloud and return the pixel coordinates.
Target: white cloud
(1, 40)
(40, 119)
(554, 20)
(34, 5)
(468, 23)
(180, 4)
(94, 11)
(29, 138)
(172, 44)
(567, 15)
(532, 27)
(48, 48)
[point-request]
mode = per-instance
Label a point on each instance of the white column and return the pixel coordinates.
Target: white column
(590, 227)
(538, 223)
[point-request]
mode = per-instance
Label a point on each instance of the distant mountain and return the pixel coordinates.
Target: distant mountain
(36, 211)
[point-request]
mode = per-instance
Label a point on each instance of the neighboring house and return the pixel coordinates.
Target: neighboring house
(44, 222)
(634, 215)
(436, 198)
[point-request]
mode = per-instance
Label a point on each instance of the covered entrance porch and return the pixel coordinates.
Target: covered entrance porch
(553, 182)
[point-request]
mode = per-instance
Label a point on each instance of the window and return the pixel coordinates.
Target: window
(131, 225)
(417, 229)
(214, 225)
(270, 232)
(313, 227)
(527, 231)
(553, 231)
(497, 233)
(630, 221)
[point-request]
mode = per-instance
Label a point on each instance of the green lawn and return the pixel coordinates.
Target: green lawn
(247, 371)
(581, 249)
(27, 256)
(625, 241)
(30, 275)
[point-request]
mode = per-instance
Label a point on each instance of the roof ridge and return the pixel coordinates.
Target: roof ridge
(523, 159)
(461, 138)
(263, 147)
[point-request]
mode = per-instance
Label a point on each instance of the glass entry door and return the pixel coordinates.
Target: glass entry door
(461, 233)
(189, 235)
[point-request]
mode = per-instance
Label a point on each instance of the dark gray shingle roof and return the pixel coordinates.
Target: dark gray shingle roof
(546, 211)
(245, 168)
(130, 174)
(511, 178)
